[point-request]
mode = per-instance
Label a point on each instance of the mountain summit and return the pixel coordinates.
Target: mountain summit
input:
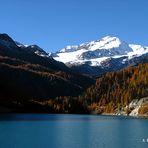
(7, 41)
(95, 52)
(100, 56)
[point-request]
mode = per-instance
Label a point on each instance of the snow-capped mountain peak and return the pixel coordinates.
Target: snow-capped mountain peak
(97, 52)
(93, 52)
(108, 42)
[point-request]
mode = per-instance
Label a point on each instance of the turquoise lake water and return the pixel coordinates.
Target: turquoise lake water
(72, 131)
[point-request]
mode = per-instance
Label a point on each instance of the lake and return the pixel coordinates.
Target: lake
(72, 131)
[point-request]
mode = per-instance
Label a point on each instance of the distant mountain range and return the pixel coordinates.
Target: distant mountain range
(101, 76)
(94, 58)
(100, 56)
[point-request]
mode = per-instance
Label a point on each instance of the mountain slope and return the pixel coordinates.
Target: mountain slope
(25, 75)
(123, 92)
(10, 49)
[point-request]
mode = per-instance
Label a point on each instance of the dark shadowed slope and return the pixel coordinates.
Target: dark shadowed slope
(25, 75)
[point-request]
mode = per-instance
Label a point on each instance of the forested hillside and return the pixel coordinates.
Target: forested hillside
(117, 89)
(112, 91)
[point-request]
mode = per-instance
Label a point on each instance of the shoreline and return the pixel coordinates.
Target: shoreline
(136, 116)
(103, 114)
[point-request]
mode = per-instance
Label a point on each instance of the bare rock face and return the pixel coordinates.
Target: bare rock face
(135, 105)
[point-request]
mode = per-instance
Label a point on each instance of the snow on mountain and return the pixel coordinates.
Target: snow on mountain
(107, 42)
(34, 48)
(8, 42)
(37, 50)
(138, 49)
(69, 49)
(20, 44)
(95, 52)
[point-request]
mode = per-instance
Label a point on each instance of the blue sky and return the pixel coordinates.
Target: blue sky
(53, 24)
